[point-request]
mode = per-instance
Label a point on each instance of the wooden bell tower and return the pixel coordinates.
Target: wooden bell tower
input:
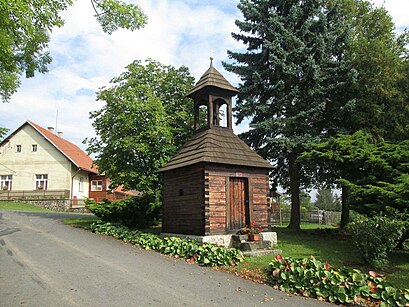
(215, 184)
(212, 91)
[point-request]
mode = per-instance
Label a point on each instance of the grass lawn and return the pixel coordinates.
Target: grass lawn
(9, 205)
(326, 245)
(83, 222)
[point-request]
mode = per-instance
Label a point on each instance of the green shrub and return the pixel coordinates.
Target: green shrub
(312, 278)
(192, 251)
(136, 212)
(375, 238)
(403, 217)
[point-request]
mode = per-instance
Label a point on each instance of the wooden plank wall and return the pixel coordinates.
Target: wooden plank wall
(216, 181)
(215, 206)
(259, 188)
(185, 213)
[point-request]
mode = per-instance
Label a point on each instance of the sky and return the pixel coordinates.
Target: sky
(179, 32)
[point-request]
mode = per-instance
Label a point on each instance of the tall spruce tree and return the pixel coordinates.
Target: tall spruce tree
(295, 77)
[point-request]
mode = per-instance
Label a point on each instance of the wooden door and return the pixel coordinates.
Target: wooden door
(238, 213)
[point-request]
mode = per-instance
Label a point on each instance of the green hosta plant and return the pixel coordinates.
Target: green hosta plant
(312, 278)
(193, 251)
(375, 237)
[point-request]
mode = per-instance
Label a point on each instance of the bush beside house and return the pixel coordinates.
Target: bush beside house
(135, 212)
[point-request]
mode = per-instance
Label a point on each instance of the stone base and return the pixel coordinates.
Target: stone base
(256, 248)
(269, 240)
(263, 252)
(220, 240)
(252, 245)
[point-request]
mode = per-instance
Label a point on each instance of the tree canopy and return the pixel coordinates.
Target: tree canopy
(380, 57)
(3, 132)
(381, 94)
(146, 117)
(376, 172)
(295, 76)
(25, 28)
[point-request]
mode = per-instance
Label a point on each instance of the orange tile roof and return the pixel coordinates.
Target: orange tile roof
(75, 154)
(120, 189)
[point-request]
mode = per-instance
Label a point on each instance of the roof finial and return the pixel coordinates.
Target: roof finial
(211, 58)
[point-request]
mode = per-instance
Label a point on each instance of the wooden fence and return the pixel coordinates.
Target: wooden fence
(34, 194)
(315, 216)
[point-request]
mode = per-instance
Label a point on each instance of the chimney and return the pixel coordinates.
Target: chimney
(51, 129)
(59, 133)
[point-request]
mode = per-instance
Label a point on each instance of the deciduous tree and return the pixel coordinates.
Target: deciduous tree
(25, 28)
(146, 117)
(3, 132)
(380, 56)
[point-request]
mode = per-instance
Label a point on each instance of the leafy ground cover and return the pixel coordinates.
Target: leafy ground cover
(16, 206)
(327, 245)
(194, 252)
(310, 277)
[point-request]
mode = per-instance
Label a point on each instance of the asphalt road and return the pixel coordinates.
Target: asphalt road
(45, 263)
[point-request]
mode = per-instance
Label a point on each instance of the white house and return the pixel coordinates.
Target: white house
(34, 159)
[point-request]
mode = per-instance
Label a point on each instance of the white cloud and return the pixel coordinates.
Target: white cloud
(183, 32)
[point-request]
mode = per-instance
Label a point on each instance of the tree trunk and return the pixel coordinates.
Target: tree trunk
(345, 206)
(294, 170)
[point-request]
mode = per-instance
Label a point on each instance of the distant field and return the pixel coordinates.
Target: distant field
(9, 205)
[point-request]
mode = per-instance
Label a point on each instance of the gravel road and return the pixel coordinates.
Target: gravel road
(46, 263)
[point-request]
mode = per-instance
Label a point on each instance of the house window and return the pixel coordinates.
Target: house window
(34, 147)
(41, 182)
(18, 148)
(81, 184)
(6, 182)
(96, 185)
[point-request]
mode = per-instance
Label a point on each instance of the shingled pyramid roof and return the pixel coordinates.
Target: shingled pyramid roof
(212, 78)
(216, 145)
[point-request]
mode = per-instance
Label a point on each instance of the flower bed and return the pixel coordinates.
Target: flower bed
(193, 251)
(312, 278)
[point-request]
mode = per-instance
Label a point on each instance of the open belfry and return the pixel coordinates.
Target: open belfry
(215, 184)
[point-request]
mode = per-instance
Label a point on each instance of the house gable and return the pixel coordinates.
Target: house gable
(26, 153)
(33, 156)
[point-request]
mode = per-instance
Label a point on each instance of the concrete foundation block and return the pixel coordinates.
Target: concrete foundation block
(220, 240)
(270, 236)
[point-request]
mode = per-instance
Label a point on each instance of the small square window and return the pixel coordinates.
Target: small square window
(181, 192)
(18, 148)
(41, 182)
(96, 185)
(34, 147)
(6, 182)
